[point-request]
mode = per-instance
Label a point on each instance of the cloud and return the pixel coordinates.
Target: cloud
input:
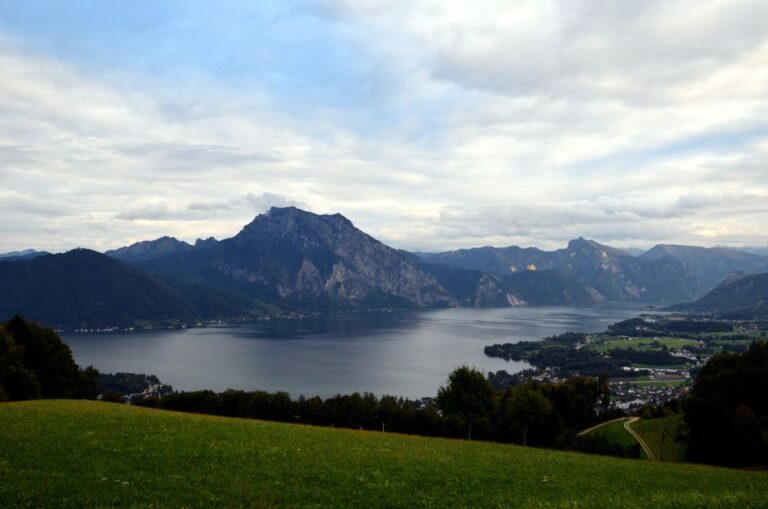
(148, 212)
(432, 125)
(267, 200)
(208, 207)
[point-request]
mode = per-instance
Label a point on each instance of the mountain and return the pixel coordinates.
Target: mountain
(83, 288)
(151, 249)
(205, 243)
(470, 288)
(736, 297)
(305, 261)
(548, 287)
(607, 272)
(711, 265)
(634, 251)
(24, 254)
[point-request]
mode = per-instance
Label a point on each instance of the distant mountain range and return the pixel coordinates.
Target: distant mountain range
(21, 255)
(711, 265)
(158, 248)
(290, 260)
(607, 273)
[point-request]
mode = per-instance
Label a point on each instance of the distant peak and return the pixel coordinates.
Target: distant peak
(290, 209)
(582, 243)
(203, 243)
(292, 212)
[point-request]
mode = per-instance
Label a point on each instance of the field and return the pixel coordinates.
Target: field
(654, 431)
(86, 454)
(605, 344)
(615, 433)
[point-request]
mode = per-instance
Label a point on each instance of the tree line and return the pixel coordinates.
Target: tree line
(466, 406)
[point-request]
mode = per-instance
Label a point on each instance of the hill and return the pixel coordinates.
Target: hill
(737, 297)
(83, 288)
(128, 457)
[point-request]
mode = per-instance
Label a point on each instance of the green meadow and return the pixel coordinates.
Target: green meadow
(95, 454)
(660, 434)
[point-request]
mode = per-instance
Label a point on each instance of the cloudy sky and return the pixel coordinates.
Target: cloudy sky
(430, 124)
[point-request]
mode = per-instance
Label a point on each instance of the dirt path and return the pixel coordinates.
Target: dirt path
(596, 426)
(639, 439)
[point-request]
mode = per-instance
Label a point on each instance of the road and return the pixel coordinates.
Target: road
(593, 428)
(639, 439)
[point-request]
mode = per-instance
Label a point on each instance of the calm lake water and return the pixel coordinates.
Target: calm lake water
(400, 353)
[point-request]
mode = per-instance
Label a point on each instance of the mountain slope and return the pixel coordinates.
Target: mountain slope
(470, 288)
(548, 287)
(303, 260)
(83, 288)
(711, 265)
(129, 456)
(738, 297)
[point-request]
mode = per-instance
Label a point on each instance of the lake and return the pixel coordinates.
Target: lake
(400, 353)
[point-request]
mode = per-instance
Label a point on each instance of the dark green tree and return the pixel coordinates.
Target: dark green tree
(523, 408)
(726, 412)
(467, 395)
(50, 360)
(16, 381)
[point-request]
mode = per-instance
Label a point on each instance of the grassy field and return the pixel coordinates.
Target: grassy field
(652, 431)
(605, 344)
(92, 454)
(615, 433)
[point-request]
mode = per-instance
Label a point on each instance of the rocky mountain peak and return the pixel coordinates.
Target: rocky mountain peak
(583, 245)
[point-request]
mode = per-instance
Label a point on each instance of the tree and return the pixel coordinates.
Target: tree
(16, 381)
(726, 412)
(524, 407)
(467, 395)
(49, 360)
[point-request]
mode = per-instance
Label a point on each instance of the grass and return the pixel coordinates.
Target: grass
(93, 454)
(605, 344)
(652, 432)
(615, 433)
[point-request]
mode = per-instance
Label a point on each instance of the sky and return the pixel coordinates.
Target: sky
(432, 125)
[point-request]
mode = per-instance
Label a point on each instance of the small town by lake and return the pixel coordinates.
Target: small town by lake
(400, 353)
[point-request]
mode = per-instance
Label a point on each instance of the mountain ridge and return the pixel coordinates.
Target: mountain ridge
(86, 289)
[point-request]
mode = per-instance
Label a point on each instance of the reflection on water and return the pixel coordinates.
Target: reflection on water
(400, 353)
